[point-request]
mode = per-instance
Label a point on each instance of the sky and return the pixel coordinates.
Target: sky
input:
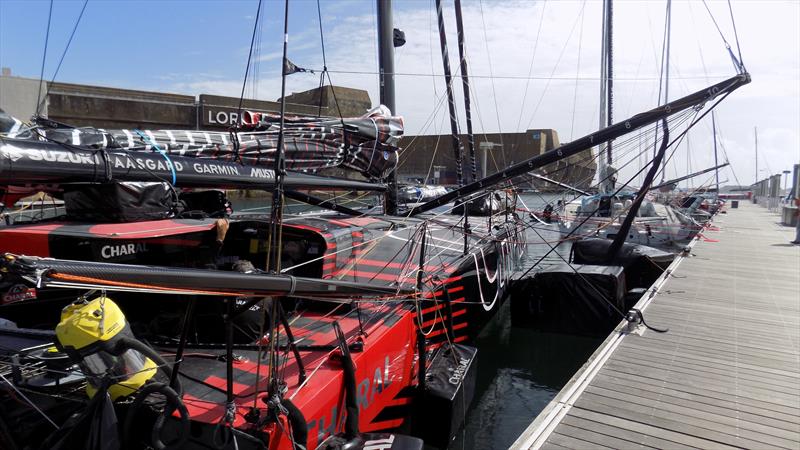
(534, 64)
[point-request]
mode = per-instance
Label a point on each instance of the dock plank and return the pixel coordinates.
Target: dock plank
(726, 375)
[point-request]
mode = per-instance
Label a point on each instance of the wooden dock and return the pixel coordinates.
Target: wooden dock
(726, 374)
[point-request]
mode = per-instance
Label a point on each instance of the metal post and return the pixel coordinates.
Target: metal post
(484, 158)
(755, 132)
(386, 88)
(716, 162)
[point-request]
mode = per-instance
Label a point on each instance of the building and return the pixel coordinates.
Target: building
(431, 159)
(105, 107)
(423, 158)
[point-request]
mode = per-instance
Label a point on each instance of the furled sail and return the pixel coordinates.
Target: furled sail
(366, 144)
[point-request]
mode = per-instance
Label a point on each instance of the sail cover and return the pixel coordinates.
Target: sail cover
(366, 144)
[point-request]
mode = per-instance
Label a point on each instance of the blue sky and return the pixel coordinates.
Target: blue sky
(542, 79)
(142, 44)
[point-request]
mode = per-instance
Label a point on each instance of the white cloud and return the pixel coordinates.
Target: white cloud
(560, 95)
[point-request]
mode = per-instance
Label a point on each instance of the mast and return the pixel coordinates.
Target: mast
(465, 82)
(386, 46)
(451, 103)
(606, 106)
(458, 148)
(665, 65)
(609, 43)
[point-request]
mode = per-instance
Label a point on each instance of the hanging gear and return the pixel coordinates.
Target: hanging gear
(96, 336)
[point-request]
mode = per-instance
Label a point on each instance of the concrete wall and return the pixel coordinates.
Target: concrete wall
(351, 102)
(422, 152)
(104, 107)
(18, 97)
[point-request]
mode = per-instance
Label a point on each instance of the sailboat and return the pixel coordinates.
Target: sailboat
(602, 215)
(363, 317)
(427, 285)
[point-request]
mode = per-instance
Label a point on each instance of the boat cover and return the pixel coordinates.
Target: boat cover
(366, 144)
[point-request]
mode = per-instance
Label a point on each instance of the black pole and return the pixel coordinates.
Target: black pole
(276, 215)
(451, 103)
(622, 234)
(301, 368)
(421, 344)
(586, 142)
(386, 71)
(229, 303)
(609, 73)
(187, 320)
(458, 148)
(686, 177)
(322, 203)
(465, 82)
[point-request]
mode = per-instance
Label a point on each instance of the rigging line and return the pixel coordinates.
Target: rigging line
(736, 36)
(249, 58)
(555, 67)
(325, 71)
(586, 219)
(69, 41)
(29, 400)
(530, 69)
(430, 46)
(736, 63)
(577, 74)
(581, 276)
(44, 58)
(664, 63)
(522, 77)
(591, 214)
(491, 79)
(324, 59)
(725, 152)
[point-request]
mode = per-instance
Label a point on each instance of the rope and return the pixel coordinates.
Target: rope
(72, 35)
(44, 58)
(249, 58)
(33, 405)
(530, 69)
(163, 153)
(736, 63)
(736, 36)
(577, 74)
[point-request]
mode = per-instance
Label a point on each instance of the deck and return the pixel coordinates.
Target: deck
(727, 374)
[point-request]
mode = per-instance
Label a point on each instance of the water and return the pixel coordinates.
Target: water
(519, 372)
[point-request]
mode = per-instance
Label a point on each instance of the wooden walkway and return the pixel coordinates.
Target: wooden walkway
(727, 374)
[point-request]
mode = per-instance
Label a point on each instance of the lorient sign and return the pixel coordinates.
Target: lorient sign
(226, 117)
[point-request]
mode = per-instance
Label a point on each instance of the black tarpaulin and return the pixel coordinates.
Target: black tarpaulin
(93, 429)
(581, 299)
(120, 202)
(366, 144)
(642, 264)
